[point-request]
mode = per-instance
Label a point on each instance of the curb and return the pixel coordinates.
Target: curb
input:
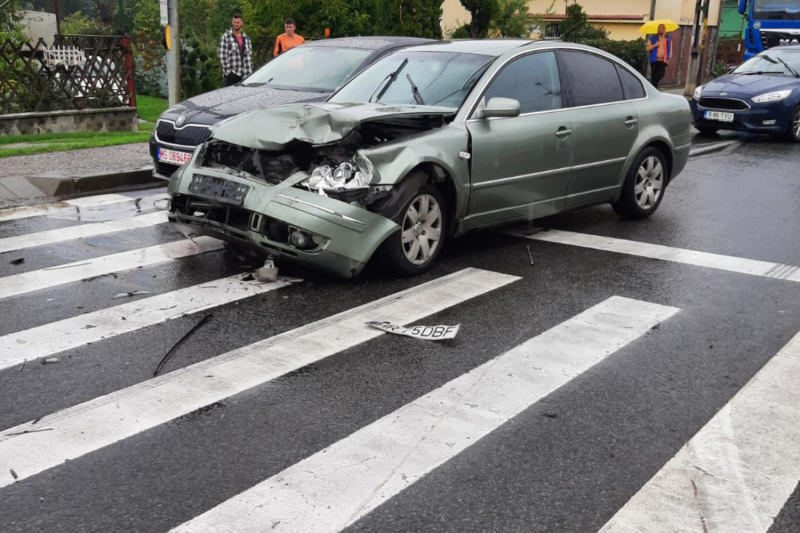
(54, 184)
(711, 148)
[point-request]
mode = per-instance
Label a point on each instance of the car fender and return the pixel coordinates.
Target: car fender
(442, 147)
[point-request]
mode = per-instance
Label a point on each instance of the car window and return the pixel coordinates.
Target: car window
(443, 79)
(593, 79)
(532, 80)
(312, 68)
(633, 87)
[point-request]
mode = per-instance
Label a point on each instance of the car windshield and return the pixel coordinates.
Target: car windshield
(442, 78)
(776, 9)
(772, 62)
(310, 68)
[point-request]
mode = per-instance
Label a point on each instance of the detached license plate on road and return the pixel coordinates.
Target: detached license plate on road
(719, 115)
(225, 191)
(171, 156)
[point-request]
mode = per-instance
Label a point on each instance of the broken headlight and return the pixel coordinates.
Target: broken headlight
(348, 181)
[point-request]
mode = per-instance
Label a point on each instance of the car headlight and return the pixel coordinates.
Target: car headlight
(698, 92)
(772, 97)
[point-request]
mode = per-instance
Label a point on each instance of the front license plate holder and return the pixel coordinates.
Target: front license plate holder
(219, 189)
(719, 115)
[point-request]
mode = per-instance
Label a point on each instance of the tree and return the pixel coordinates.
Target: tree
(482, 12)
(78, 24)
(575, 27)
(512, 18)
(411, 18)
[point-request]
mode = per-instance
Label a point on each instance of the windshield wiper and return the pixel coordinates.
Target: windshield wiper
(391, 78)
(415, 91)
(759, 72)
(788, 67)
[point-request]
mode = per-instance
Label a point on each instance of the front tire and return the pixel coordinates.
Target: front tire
(794, 127)
(415, 248)
(644, 187)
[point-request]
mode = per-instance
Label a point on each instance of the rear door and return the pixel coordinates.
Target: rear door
(605, 129)
(520, 165)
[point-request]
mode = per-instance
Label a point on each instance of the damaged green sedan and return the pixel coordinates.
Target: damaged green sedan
(430, 143)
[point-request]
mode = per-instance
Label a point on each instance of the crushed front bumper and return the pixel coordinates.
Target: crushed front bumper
(344, 236)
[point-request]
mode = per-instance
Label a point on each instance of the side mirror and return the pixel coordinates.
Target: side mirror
(501, 108)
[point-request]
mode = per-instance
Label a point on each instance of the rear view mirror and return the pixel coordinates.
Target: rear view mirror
(501, 107)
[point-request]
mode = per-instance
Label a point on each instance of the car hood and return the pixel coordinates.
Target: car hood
(748, 86)
(316, 124)
(211, 107)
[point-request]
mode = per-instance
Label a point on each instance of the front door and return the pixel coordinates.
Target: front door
(606, 127)
(520, 165)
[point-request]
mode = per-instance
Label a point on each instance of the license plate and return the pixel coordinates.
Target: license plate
(171, 156)
(719, 115)
(219, 189)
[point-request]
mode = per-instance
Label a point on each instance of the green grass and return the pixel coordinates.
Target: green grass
(62, 142)
(150, 108)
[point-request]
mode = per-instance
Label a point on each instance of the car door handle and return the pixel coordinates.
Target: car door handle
(563, 132)
(630, 121)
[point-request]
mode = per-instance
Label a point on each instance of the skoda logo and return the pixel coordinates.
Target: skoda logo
(181, 120)
(757, 25)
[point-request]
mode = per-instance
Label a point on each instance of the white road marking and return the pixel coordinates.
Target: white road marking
(90, 426)
(16, 213)
(666, 253)
(101, 266)
(335, 487)
(737, 472)
(50, 339)
(21, 242)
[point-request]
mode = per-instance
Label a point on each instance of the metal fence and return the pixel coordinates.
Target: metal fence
(76, 72)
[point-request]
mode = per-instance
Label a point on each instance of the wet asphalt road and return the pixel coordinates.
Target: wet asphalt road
(567, 463)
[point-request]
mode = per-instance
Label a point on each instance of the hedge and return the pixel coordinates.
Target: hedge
(632, 52)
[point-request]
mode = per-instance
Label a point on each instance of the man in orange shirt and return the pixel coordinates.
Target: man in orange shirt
(288, 40)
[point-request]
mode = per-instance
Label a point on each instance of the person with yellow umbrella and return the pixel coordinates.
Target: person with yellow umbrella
(659, 44)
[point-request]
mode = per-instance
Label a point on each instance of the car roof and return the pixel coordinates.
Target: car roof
(487, 47)
(369, 43)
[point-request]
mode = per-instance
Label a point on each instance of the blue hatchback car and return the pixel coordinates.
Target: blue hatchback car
(762, 95)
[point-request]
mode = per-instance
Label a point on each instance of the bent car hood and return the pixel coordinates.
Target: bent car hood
(211, 107)
(275, 128)
(750, 85)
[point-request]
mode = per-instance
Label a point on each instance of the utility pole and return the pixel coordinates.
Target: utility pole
(173, 54)
(698, 45)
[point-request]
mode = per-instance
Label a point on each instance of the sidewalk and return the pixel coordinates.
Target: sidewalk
(52, 174)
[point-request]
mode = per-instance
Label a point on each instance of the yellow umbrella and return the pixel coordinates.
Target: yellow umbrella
(651, 28)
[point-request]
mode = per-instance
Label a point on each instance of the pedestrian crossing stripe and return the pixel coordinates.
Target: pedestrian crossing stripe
(738, 471)
(46, 278)
(335, 487)
(739, 265)
(50, 339)
(81, 231)
(84, 428)
(89, 202)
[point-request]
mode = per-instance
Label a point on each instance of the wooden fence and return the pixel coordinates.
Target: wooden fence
(77, 72)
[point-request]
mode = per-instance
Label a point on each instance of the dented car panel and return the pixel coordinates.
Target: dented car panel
(343, 237)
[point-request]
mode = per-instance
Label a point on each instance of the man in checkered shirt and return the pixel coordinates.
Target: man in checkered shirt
(235, 53)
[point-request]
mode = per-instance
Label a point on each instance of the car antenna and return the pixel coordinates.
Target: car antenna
(560, 37)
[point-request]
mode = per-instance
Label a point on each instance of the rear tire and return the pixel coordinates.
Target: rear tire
(423, 230)
(707, 130)
(644, 187)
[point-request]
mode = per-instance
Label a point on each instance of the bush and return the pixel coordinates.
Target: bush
(632, 52)
(200, 70)
(461, 32)
(151, 81)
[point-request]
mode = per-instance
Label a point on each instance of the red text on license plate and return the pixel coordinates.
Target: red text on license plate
(171, 156)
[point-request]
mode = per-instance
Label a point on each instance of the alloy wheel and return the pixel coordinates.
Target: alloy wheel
(649, 182)
(796, 125)
(422, 229)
